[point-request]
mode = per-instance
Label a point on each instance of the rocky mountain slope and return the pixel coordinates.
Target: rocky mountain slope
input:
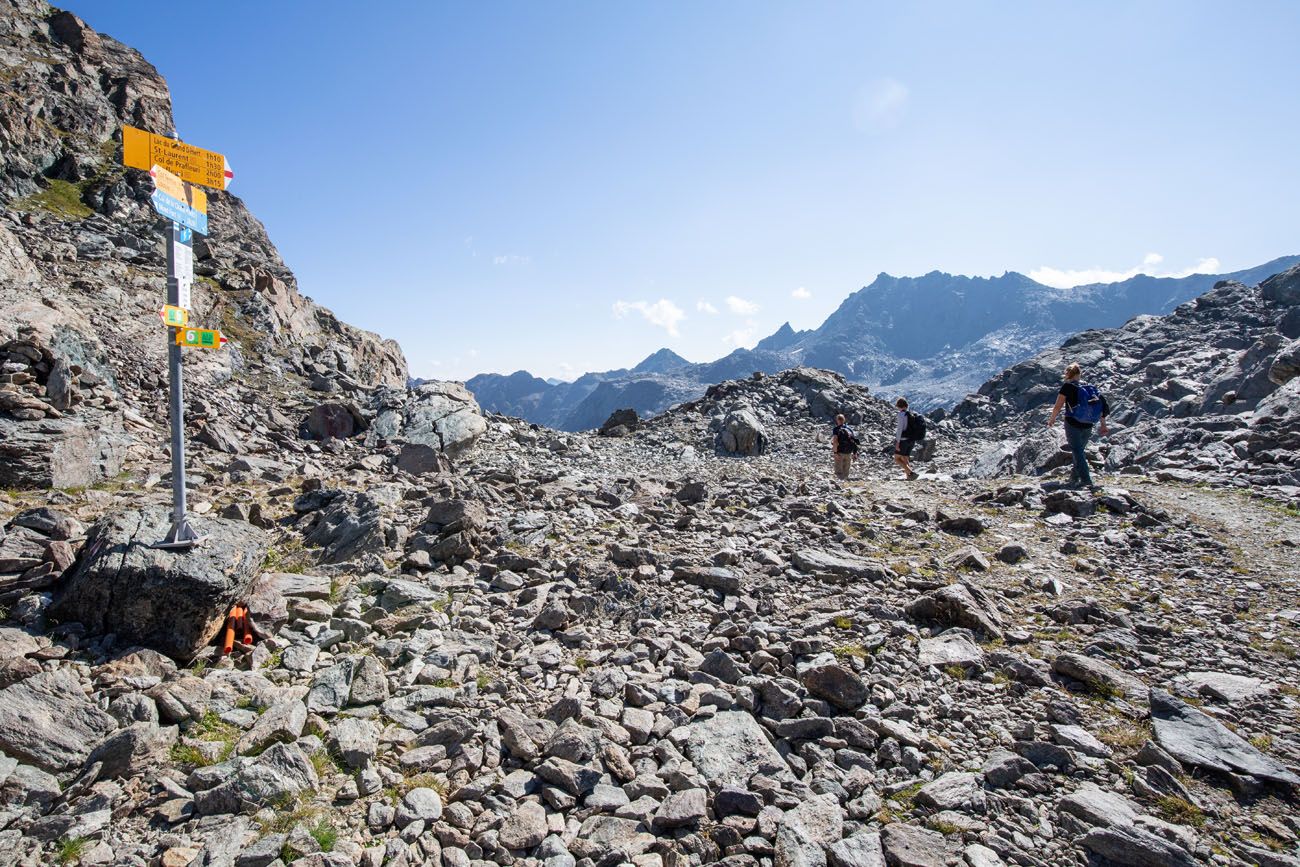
(1208, 393)
(934, 338)
(473, 640)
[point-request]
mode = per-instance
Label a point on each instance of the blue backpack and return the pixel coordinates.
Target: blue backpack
(1088, 409)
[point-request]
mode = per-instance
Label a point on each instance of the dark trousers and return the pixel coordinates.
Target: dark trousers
(1077, 438)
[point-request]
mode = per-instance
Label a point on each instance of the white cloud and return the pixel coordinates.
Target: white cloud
(662, 313)
(801, 293)
(706, 307)
(511, 259)
(881, 104)
(1065, 279)
(740, 306)
(743, 337)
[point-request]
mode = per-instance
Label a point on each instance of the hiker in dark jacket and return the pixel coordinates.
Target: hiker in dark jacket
(909, 429)
(844, 445)
(1084, 406)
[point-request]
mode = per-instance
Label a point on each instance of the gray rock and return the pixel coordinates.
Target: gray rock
(48, 721)
(1136, 847)
(978, 855)
(354, 741)
(910, 846)
(280, 773)
(420, 459)
(573, 778)
(331, 688)
(369, 682)
(282, 723)
(421, 804)
(61, 453)
(959, 605)
(442, 415)
(742, 433)
(730, 747)
(951, 647)
(846, 566)
(1099, 808)
(525, 828)
(955, 790)
(860, 850)
(1194, 738)
(1080, 740)
(130, 751)
(681, 809)
(1229, 688)
(837, 684)
(1098, 676)
(171, 601)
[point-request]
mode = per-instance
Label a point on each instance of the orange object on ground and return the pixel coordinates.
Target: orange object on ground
(237, 623)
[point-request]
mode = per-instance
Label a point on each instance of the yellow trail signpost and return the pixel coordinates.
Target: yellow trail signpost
(144, 150)
(175, 166)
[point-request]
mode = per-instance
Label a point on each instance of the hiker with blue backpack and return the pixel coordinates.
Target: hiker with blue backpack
(1084, 407)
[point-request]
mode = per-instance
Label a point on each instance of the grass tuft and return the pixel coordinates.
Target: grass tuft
(60, 198)
(70, 849)
(1180, 811)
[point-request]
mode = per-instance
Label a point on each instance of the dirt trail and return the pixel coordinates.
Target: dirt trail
(1265, 535)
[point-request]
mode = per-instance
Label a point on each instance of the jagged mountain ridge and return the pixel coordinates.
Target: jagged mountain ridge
(934, 338)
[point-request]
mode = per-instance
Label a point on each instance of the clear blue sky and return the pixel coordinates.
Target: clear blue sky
(565, 186)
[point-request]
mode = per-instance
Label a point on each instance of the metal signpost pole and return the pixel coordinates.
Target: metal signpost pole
(181, 534)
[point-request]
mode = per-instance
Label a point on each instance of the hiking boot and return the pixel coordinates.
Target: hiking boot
(912, 477)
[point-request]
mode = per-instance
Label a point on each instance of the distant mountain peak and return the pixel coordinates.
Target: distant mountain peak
(663, 361)
(778, 340)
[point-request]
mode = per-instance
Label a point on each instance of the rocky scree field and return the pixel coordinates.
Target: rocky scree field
(481, 641)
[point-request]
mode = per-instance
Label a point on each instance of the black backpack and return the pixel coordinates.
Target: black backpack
(915, 429)
(847, 441)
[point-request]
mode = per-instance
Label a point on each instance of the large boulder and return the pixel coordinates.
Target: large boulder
(333, 420)
(742, 433)
(47, 720)
(171, 601)
(1195, 738)
(730, 747)
(621, 422)
(1282, 289)
(443, 415)
(69, 452)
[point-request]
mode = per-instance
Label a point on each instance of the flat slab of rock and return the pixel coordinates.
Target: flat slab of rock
(730, 747)
(911, 846)
(844, 565)
(952, 647)
(959, 605)
(860, 850)
(1194, 738)
(171, 601)
(1136, 847)
(1229, 688)
(306, 586)
(47, 721)
(61, 453)
(1099, 676)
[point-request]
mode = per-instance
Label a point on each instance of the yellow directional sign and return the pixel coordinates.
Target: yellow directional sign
(179, 190)
(200, 338)
(144, 150)
(177, 317)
